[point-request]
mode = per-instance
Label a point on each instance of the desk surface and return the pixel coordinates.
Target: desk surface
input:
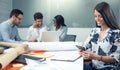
(77, 65)
(57, 65)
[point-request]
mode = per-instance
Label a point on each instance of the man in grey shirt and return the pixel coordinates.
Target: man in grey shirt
(8, 28)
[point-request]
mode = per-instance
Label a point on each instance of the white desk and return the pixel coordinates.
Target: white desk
(58, 65)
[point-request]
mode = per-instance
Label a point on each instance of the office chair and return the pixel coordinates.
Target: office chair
(70, 38)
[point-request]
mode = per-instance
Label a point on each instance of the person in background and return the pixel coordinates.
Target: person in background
(8, 28)
(102, 45)
(35, 31)
(60, 26)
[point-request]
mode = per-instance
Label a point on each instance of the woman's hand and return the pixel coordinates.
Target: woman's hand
(87, 54)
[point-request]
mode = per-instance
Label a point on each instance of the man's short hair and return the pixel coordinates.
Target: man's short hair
(15, 12)
(38, 15)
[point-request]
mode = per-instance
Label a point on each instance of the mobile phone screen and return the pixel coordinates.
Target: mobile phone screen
(80, 47)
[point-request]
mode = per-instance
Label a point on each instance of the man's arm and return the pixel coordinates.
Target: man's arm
(5, 34)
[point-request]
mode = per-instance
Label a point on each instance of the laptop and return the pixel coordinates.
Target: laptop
(50, 36)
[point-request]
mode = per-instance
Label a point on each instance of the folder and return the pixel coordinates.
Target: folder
(68, 60)
(41, 55)
(69, 56)
(21, 58)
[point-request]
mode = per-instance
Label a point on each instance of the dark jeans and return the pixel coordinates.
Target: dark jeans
(88, 67)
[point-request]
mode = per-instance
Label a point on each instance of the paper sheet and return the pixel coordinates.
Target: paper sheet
(35, 65)
(52, 46)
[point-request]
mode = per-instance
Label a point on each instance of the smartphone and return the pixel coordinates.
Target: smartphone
(81, 48)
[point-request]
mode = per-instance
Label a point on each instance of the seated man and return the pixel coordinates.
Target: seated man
(8, 28)
(35, 31)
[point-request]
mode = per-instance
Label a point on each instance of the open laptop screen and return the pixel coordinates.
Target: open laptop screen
(50, 36)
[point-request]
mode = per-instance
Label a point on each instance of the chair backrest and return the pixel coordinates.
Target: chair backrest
(70, 38)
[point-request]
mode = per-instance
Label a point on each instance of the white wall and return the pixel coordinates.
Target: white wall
(81, 33)
(5, 8)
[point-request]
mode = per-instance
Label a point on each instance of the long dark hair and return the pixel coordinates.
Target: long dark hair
(108, 15)
(60, 20)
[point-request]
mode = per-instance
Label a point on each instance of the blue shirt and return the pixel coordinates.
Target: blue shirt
(9, 32)
(108, 46)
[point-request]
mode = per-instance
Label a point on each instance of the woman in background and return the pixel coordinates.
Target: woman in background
(102, 46)
(60, 26)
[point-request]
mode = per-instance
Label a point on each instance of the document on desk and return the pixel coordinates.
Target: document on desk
(36, 65)
(68, 56)
(52, 46)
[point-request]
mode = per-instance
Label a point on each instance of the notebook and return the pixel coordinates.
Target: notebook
(68, 56)
(50, 36)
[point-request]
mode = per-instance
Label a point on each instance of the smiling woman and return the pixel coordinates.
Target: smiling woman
(75, 12)
(102, 44)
